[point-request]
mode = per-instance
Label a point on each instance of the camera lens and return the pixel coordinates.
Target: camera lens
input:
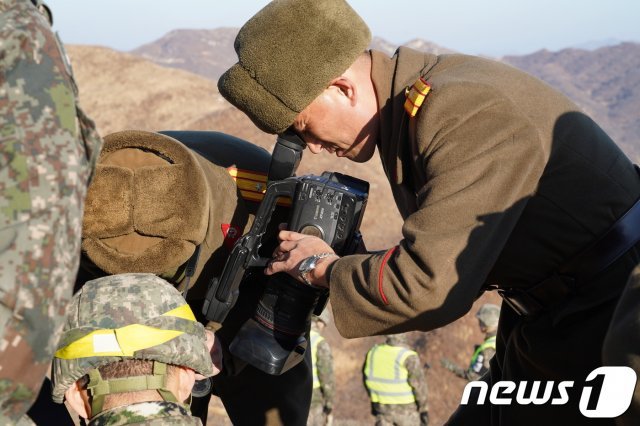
(201, 388)
(274, 339)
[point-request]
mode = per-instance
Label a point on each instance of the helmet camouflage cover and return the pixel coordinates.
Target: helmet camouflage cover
(127, 316)
(397, 339)
(489, 315)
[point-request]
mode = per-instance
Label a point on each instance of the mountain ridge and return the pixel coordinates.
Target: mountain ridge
(604, 81)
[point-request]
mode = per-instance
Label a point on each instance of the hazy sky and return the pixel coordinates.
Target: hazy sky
(491, 27)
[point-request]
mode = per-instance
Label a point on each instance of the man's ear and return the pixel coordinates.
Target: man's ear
(186, 379)
(78, 400)
(347, 87)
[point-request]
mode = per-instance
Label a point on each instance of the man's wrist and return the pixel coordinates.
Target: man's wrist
(323, 269)
(329, 270)
(312, 270)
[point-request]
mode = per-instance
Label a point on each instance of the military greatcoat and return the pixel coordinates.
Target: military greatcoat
(501, 180)
(621, 345)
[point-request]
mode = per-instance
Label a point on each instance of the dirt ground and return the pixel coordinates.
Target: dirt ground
(352, 408)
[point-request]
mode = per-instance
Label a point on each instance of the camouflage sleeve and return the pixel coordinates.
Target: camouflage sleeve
(325, 373)
(454, 368)
(43, 178)
(481, 365)
(417, 381)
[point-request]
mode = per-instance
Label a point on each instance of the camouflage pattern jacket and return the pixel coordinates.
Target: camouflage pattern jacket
(418, 383)
(479, 364)
(146, 413)
(325, 393)
(47, 147)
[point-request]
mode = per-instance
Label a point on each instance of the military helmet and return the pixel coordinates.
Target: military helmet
(488, 315)
(396, 340)
(127, 316)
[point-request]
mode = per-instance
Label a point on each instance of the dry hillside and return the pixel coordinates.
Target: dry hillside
(120, 91)
(208, 53)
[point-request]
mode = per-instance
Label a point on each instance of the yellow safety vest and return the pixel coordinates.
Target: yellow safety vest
(489, 343)
(386, 376)
(316, 338)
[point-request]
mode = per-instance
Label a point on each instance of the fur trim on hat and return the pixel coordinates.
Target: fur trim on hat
(148, 205)
(288, 53)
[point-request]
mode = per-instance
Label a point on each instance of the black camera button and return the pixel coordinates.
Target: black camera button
(312, 230)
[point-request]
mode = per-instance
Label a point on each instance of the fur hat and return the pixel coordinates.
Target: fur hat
(152, 202)
(288, 53)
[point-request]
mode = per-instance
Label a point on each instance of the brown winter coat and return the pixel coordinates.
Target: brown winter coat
(506, 181)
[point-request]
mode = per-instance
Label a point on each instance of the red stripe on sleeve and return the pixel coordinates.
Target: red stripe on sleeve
(381, 274)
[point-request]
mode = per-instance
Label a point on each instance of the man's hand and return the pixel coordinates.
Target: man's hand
(424, 418)
(293, 249)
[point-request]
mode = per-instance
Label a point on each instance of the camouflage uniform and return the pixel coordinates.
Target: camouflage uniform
(47, 146)
(479, 362)
(405, 414)
(106, 323)
(146, 413)
(322, 396)
(488, 317)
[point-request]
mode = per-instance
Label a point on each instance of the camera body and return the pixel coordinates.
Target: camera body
(331, 207)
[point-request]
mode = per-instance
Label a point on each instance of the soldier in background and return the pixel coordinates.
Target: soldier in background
(487, 316)
(323, 376)
(395, 381)
(48, 149)
(121, 362)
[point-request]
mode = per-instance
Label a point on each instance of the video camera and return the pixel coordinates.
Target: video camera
(331, 207)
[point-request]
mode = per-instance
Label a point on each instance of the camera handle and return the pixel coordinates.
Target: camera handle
(223, 292)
